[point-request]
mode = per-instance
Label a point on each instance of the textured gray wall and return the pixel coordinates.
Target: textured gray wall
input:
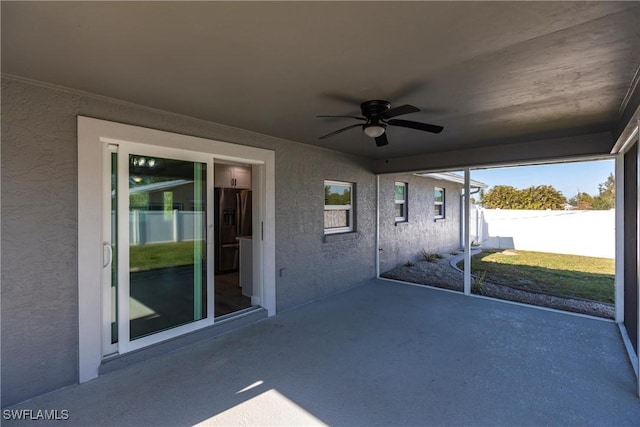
(39, 212)
(403, 242)
(315, 265)
(39, 224)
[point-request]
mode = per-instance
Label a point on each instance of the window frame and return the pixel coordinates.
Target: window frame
(440, 204)
(349, 208)
(404, 202)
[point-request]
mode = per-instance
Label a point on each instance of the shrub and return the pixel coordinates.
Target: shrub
(430, 256)
(477, 285)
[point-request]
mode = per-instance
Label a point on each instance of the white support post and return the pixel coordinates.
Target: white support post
(378, 226)
(467, 234)
(176, 225)
(637, 189)
(619, 227)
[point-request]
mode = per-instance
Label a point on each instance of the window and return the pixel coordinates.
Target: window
(438, 202)
(401, 202)
(338, 207)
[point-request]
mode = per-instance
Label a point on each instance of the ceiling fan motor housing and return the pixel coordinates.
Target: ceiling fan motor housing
(374, 109)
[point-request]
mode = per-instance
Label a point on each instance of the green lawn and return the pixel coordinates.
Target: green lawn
(161, 255)
(556, 274)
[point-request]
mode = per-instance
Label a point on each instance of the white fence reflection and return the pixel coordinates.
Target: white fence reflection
(164, 226)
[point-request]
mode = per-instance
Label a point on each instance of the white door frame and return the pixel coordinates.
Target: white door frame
(93, 135)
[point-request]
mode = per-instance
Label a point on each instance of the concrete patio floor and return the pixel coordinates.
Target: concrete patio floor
(384, 354)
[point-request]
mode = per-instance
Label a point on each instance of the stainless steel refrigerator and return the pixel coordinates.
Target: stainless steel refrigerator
(232, 219)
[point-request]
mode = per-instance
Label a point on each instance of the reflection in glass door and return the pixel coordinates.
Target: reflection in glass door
(159, 246)
(167, 243)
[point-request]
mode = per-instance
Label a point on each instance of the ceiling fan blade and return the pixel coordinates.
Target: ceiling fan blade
(416, 125)
(400, 110)
(408, 89)
(347, 117)
(339, 131)
(382, 140)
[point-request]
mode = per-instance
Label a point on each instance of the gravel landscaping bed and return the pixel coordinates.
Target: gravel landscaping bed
(441, 274)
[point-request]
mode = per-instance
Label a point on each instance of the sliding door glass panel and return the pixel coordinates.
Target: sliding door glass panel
(167, 244)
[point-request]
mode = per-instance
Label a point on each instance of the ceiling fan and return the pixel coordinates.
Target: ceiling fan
(378, 115)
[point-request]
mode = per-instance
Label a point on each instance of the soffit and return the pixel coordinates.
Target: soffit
(492, 73)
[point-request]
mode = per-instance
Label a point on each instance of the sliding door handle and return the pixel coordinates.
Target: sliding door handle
(110, 252)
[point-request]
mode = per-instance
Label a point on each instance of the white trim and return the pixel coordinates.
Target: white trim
(442, 203)
(268, 244)
(620, 238)
(628, 143)
(107, 308)
(125, 149)
(92, 134)
(378, 226)
(637, 185)
(349, 208)
(467, 231)
(451, 177)
(504, 164)
(338, 230)
(404, 202)
(90, 240)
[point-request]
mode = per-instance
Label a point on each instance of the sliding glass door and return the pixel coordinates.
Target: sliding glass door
(167, 243)
(162, 218)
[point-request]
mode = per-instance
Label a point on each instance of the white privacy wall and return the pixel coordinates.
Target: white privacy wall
(587, 233)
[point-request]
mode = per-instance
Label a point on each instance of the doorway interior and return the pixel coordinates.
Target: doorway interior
(233, 237)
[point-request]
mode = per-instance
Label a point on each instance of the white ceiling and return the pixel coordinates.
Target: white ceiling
(490, 73)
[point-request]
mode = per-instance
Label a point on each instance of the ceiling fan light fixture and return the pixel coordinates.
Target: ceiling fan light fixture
(374, 131)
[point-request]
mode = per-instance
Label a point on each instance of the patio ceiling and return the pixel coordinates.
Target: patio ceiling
(491, 73)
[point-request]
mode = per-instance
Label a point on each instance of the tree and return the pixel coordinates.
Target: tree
(606, 199)
(535, 197)
(582, 201)
(542, 197)
(501, 197)
(336, 198)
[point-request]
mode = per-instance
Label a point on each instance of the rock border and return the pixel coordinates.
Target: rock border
(435, 274)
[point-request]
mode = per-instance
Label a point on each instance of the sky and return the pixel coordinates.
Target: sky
(569, 178)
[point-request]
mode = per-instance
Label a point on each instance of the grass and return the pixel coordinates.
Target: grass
(161, 255)
(555, 274)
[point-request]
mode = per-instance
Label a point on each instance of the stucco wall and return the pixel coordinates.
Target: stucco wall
(403, 241)
(39, 224)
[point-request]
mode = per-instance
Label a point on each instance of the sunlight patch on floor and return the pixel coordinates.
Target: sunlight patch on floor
(138, 310)
(249, 387)
(268, 408)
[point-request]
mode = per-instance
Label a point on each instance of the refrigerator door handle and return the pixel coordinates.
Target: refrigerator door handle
(238, 214)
